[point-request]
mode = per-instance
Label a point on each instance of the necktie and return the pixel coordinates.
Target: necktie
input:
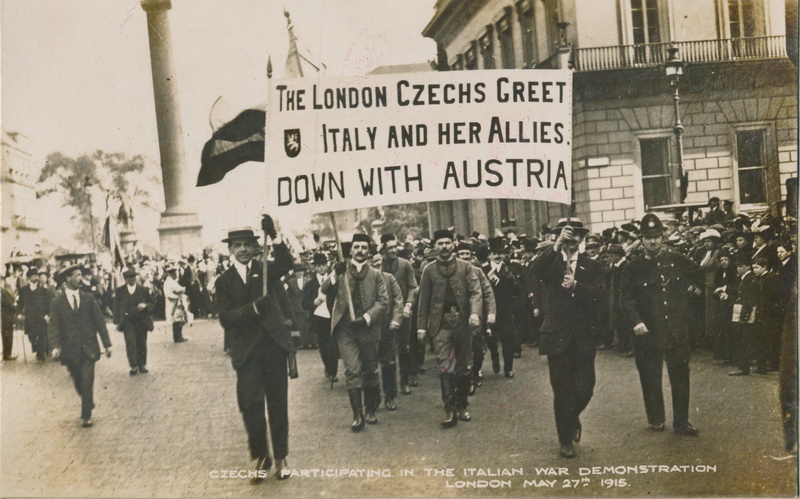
(74, 302)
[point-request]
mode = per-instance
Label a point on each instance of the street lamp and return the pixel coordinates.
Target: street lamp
(674, 70)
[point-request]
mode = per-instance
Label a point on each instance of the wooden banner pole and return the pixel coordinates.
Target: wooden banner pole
(345, 282)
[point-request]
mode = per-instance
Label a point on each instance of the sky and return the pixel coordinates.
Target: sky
(76, 77)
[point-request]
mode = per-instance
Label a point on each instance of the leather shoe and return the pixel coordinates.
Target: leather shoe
(143, 370)
(739, 372)
(358, 424)
(9, 357)
(133, 371)
(87, 422)
(405, 390)
(657, 427)
(282, 469)
(451, 420)
(496, 366)
(371, 418)
(686, 429)
(263, 464)
(181, 340)
(567, 450)
(413, 381)
(464, 415)
(510, 374)
(390, 405)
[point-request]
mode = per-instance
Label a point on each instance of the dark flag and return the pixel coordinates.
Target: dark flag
(239, 141)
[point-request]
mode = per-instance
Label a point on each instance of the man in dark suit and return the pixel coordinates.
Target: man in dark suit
(575, 289)
(34, 305)
(318, 306)
(75, 322)
(259, 342)
(358, 335)
(132, 308)
(507, 293)
(655, 290)
(450, 306)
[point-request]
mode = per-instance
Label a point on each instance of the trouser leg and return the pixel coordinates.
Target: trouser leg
(141, 346)
(177, 331)
(131, 350)
(274, 376)
(677, 360)
(563, 380)
(649, 363)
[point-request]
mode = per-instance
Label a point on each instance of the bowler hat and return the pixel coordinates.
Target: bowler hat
(385, 238)
(575, 223)
(651, 226)
(464, 246)
(69, 270)
(320, 259)
(615, 249)
(129, 272)
(240, 233)
(32, 271)
(530, 244)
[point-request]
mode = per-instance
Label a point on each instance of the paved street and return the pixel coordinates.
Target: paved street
(175, 431)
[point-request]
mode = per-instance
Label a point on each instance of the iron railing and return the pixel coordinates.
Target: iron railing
(655, 54)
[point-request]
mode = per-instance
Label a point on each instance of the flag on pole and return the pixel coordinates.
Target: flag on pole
(242, 139)
(111, 239)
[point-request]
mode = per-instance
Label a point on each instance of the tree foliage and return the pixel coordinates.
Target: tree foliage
(90, 182)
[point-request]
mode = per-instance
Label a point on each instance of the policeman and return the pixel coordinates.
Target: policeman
(655, 290)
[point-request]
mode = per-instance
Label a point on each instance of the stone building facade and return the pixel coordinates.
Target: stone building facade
(738, 101)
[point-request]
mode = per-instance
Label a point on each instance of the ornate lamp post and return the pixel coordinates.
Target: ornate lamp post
(674, 70)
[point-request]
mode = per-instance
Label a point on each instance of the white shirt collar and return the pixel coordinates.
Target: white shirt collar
(357, 265)
(241, 269)
(131, 289)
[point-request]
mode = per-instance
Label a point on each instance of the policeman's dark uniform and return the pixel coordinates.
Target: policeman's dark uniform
(656, 291)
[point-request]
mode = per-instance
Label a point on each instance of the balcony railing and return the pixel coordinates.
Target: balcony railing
(655, 54)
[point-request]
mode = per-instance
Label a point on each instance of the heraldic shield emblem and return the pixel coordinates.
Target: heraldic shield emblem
(291, 142)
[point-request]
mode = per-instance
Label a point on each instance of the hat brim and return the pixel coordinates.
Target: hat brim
(582, 231)
(240, 238)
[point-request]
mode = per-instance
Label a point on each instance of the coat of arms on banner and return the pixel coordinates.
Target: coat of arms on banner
(291, 142)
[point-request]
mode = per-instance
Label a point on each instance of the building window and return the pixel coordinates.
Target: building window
(487, 49)
(751, 168)
(646, 30)
(656, 175)
(506, 39)
(458, 64)
(741, 18)
(528, 30)
(471, 57)
(508, 213)
(552, 18)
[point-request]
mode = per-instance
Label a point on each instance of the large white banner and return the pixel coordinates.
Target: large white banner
(342, 143)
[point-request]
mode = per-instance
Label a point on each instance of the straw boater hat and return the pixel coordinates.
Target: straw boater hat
(240, 233)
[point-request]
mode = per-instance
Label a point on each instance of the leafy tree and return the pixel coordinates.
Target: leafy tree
(123, 182)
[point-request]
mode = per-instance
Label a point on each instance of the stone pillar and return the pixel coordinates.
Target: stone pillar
(179, 229)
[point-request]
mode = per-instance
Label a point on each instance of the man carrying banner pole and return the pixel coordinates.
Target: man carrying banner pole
(257, 325)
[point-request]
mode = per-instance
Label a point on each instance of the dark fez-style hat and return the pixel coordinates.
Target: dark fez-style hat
(497, 244)
(361, 238)
(442, 234)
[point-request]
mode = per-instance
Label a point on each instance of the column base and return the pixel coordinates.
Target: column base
(180, 233)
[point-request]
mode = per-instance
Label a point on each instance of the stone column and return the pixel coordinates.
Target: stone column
(180, 228)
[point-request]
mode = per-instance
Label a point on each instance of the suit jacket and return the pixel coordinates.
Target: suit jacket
(395, 311)
(245, 326)
(655, 291)
(404, 273)
(35, 304)
(433, 288)
(506, 293)
(374, 297)
(568, 315)
(74, 331)
(126, 313)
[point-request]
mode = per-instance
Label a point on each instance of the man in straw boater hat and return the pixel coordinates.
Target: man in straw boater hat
(450, 305)
(357, 329)
(575, 288)
(75, 322)
(655, 289)
(258, 328)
